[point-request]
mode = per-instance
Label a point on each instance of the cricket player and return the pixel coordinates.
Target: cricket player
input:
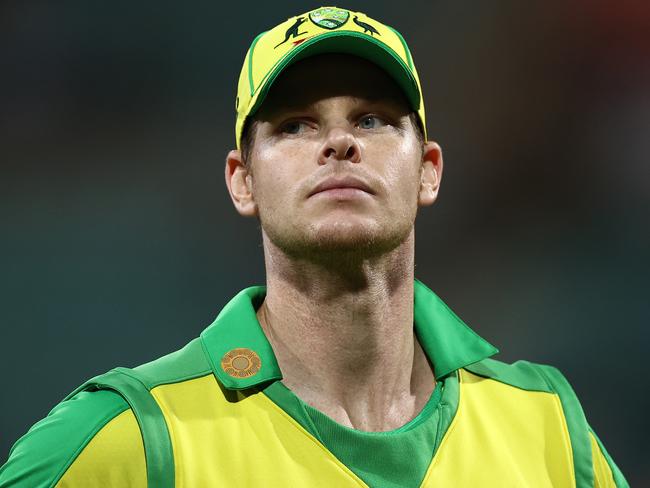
(344, 370)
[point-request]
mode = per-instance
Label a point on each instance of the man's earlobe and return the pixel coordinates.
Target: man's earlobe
(431, 174)
(240, 184)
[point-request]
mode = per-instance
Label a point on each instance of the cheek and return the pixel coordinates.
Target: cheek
(403, 169)
(268, 188)
(277, 177)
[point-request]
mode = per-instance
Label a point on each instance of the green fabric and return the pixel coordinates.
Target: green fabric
(619, 479)
(447, 407)
(237, 327)
(185, 364)
(521, 374)
(44, 453)
(284, 398)
(153, 427)
(378, 458)
(446, 340)
(251, 51)
(576, 423)
(405, 46)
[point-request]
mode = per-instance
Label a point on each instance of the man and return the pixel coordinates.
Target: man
(344, 370)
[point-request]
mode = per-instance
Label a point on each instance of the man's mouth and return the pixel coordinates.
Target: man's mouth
(342, 186)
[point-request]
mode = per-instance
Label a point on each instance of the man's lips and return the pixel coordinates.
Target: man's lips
(349, 182)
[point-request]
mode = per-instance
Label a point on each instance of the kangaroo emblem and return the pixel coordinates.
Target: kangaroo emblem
(366, 27)
(293, 31)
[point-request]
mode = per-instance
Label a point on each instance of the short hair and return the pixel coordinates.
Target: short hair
(248, 139)
(250, 126)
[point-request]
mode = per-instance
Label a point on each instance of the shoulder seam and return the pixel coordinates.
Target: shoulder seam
(187, 363)
(478, 369)
(133, 373)
(539, 369)
(503, 382)
(182, 379)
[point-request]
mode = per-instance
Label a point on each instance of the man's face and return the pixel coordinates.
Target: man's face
(340, 121)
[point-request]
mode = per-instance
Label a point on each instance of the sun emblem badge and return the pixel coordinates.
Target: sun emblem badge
(241, 363)
(329, 17)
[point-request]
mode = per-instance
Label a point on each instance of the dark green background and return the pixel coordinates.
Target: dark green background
(119, 242)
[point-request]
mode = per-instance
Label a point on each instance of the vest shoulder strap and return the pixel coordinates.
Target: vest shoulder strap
(576, 424)
(158, 449)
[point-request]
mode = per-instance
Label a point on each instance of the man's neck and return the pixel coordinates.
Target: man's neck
(344, 336)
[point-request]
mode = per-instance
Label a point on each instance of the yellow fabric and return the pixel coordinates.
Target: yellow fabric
(253, 442)
(603, 477)
(114, 457)
(270, 48)
(503, 436)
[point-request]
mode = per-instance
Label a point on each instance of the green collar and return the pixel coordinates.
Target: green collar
(241, 356)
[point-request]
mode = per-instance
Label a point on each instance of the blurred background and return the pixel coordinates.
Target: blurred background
(119, 243)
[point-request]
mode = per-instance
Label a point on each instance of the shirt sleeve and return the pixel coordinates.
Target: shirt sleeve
(90, 440)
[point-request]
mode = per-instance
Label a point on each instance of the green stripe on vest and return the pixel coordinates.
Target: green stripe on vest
(155, 435)
(576, 423)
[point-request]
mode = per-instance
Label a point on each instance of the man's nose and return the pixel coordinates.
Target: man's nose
(340, 144)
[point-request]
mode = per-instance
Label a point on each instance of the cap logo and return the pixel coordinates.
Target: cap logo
(241, 363)
(329, 17)
(293, 31)
(367, 28)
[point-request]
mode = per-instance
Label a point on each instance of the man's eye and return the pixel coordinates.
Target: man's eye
(371, 122)
(294, 127)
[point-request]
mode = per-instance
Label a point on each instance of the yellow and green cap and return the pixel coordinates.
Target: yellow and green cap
(323, 30)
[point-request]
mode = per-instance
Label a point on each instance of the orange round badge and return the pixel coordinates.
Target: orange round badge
(241, 363)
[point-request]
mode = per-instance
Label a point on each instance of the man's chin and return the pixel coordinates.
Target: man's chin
(341, 245)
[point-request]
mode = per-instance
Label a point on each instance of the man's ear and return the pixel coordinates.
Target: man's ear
(431, 174)
(240, 184)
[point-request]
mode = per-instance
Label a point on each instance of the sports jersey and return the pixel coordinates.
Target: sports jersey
(216, 413)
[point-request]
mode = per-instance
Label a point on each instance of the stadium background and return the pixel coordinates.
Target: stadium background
(119, 243)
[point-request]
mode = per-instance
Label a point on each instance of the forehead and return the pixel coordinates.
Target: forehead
(332, 75)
